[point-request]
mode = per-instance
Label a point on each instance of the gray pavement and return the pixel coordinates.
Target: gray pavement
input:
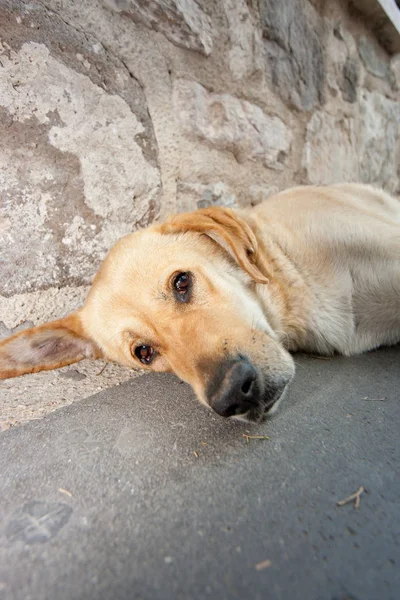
(139, 492)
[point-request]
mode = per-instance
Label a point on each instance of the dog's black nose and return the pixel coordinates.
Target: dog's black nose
(235, 390)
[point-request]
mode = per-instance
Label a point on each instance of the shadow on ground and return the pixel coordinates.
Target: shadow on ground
(140, 492)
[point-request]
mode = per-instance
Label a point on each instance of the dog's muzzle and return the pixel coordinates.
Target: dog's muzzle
(238, 390)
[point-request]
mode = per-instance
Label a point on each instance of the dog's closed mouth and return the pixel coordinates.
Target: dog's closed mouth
(262, 410)
(270, 404)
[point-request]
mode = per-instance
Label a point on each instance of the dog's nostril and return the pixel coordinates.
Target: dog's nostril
(246, 386)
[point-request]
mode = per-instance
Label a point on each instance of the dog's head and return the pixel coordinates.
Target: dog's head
(179, 297)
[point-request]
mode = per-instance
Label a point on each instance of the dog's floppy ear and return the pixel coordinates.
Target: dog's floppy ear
(227, 229)
(46, 347)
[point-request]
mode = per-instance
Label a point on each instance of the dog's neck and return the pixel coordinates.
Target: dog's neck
(285, 299)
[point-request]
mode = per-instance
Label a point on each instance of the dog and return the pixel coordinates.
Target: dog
(221, 297)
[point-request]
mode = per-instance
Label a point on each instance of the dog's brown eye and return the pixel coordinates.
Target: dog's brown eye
(145, 354)
(182, 283)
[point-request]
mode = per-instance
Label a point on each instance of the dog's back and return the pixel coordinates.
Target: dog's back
(344, 240)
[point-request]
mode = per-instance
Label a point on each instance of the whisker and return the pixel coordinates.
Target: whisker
(114, 335)
(298, 365)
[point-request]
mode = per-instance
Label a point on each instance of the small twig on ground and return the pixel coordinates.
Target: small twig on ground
(254, 437)
(65, 492)
(264, 564)
(355, 497)
(101, 370)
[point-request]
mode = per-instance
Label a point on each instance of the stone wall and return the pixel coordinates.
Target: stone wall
(117, 112)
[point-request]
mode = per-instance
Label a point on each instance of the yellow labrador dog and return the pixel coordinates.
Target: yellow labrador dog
(220, 297)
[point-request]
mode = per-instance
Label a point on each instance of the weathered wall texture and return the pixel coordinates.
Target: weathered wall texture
(115, 112)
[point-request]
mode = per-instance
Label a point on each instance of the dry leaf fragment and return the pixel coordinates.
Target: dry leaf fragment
(264, 564)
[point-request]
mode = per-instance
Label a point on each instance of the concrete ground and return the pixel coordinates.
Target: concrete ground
(32, 397)
(139, 492)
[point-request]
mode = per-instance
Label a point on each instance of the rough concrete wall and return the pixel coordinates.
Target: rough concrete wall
(115, 112)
